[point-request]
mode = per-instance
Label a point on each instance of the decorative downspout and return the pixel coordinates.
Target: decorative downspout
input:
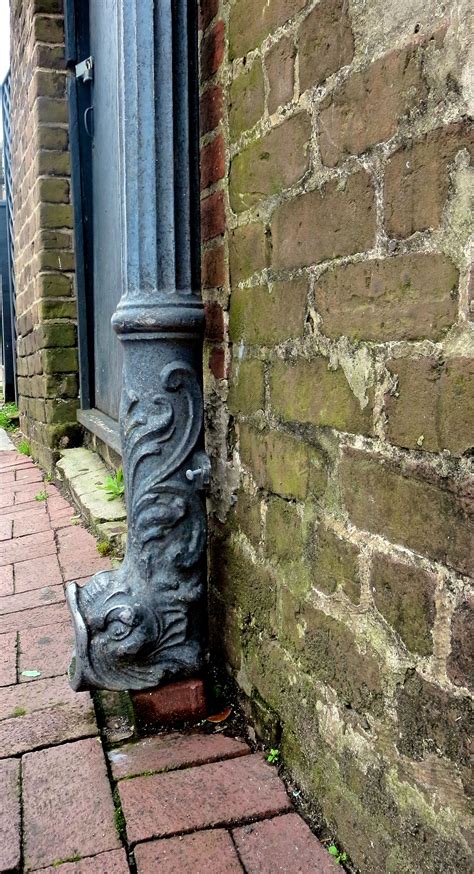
(143, 623)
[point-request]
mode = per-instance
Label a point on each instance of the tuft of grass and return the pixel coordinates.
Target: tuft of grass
(336, 854)
(114, 485)
(24, 447)
(9, 417)
(104, 548)
(41, 496)
(19, 711)
(59, 862)
(118, 815)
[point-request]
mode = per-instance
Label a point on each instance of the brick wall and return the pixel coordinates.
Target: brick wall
(44, 258)
(339, 384)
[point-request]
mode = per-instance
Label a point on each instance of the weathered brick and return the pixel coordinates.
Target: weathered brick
(55, 138)
(47, 650)
(41, 695)
(460, 665)
(386, 299)
(335, 564)
(212, 50)
(194, 853)
(207, 11)
(35, 546)
(211, 108)
(325, 42)
(50, 110)
(47, 83)
(417, 179)
(214, 320)
(213, 269)
(54, 334)
(404, 595)
(48, 30)
(34, 618)
(53, 285)
(252, 20)
(31, 599)
(270, 164)
(223, 792)
(366, 108)
(429, 517)
(246, 99)
(52, 308)
(311, 393)
(55, 215)
(217, 363)
(244, 585)
(281, 463)
(53, 163)
(8, 657)
(42, 728)
(59, 360)
(70, 778)
(286, 543)
(212, 161)
(285, 843)
(212, 216)
(280, 67)
(247, 389)
(171, 752)
(245, 515)
(10, 825)
(433, 407)
(112, 862)
(53, 190)
(431, 720)
(261, 317)
(246, 251)
(329, 651)
(328, 223)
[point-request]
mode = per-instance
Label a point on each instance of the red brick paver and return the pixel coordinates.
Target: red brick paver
(201, 802)
(200, 853)
(172, 751)
(61, 820)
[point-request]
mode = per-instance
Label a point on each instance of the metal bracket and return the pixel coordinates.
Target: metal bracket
(85, 70)
(200, 473)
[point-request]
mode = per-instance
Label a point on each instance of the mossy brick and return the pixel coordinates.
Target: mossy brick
(416, 183)
(50, 110)
(247, 388)
(53, 239)
(246, 99)
(48, 30)
(48, 6)
(59, 360)
(55, 215)
(246, 516)
(325, 42)
(429, 516)
(54, 334)
(280, 67)
(367, 107)
(311, 393)
(55, 259)
(286, 542)
(55, 138)
(59, 436)
(386, 299)
(282, 464)
(246, 251)
(54, 308)
(405, 596)
(271, 164)
(59, 411)
(225, 639)
(53, 163)
(53, 190)
(268, 670)
(433, 406)
(53, 285)
(329, 651)
(48, 83)
(334, 564)
(323, 224)
(460, 664)
(262, 317)
(252, 20)
(49, 57)
(245, 585)
(433, 720)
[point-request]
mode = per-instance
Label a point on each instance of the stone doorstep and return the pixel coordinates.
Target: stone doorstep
(83, 472)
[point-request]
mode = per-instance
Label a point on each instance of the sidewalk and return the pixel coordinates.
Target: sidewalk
(172, 804)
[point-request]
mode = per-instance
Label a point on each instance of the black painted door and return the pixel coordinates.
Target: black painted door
(103, 123)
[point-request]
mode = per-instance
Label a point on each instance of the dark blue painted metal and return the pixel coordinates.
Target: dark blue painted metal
(9, 300)
(143, 622)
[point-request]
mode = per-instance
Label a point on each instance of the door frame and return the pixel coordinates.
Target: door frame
(77, 49)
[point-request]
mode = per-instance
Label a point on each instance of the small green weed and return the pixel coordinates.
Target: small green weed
(24, 447)
(336, 854)
(48, 477)
(273, 756)
(19, 711)
(41, 496)
(104, 548)
(59, 862)
(114, 485)
(9, 417)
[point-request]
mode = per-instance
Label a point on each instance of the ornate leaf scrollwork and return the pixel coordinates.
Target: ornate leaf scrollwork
(132, 624)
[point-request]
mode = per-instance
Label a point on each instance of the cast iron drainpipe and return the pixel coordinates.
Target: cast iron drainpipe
(144, 622)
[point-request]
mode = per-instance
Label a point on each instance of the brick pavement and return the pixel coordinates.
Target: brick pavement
(173, 803)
